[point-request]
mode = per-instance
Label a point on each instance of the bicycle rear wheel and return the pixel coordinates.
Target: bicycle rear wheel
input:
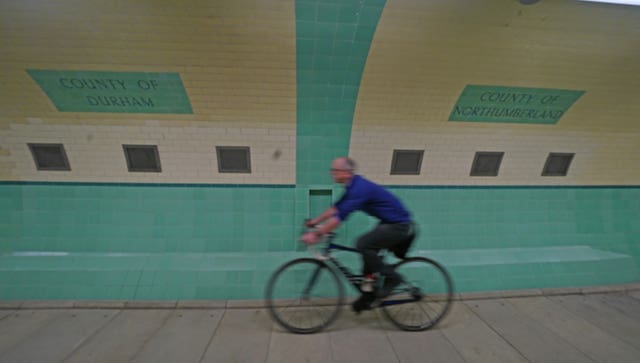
(304, 295)
(424, 299)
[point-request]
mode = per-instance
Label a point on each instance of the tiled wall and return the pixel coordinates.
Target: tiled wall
(106, 241)
(301, 82)
(137, 241)
(107, 218)
(449, 152)
(187, 152)
(351, 77)
(236, 60)
(424, 54)
(332, 45)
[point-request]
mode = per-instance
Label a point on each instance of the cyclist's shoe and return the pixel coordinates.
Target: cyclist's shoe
(363, 302)
(390, 282)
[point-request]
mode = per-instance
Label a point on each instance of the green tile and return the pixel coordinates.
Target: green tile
(124, 293)
(348, 13)
(369, 15)
(305, 46)
(341, 47)
(305, 27)
(327, 12)
(306, 11)
(323, 30)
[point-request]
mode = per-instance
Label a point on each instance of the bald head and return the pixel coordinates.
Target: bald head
(343, 169)
(345, 163)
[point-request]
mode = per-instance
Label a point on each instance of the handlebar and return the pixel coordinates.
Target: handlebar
(321, 249)
(306, 228)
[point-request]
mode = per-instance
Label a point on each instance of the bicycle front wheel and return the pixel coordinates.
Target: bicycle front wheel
(424, 299)
(304, 295)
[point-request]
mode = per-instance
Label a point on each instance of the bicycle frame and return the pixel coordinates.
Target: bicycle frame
(354, 279)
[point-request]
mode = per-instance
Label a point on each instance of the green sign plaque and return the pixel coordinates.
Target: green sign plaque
(512, 104)
(125, 92)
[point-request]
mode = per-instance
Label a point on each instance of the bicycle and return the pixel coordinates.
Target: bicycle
(305, 295)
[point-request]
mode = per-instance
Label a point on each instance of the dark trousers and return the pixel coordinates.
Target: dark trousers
(383, 236)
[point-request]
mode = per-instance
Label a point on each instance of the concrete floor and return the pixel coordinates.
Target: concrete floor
(544, 326)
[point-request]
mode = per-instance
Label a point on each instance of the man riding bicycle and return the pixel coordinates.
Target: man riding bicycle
(394, 232)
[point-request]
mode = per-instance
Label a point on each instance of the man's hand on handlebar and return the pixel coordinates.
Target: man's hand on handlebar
(311, 237)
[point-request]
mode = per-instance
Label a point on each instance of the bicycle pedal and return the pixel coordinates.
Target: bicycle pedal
(363, 303)
(416, 293)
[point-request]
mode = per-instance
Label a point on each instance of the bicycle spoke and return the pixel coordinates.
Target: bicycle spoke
(435, 311)
(319, 296)
(420, 313)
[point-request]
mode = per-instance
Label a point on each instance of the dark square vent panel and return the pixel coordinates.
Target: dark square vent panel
(142, 158)
(49, 156)
(233, 159)
(557, 164)
(486, 163)
(406, 162)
